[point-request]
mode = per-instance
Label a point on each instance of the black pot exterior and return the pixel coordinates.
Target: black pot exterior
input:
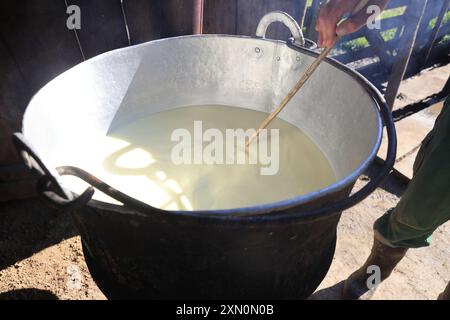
(168, 256)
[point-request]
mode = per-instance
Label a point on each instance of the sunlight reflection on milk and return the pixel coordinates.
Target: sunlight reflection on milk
(136, 160)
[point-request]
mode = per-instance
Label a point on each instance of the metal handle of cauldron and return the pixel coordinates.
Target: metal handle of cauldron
(287, 20)
(49, 187)
(48, 184)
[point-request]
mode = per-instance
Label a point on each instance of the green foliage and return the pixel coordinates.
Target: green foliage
(355, 45)
(388, 34)
(433, 21)
(395, 12)
(445, 39)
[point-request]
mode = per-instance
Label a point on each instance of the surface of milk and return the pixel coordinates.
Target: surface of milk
(137, 159)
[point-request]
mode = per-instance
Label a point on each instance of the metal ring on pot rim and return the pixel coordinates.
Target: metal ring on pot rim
(284, 18)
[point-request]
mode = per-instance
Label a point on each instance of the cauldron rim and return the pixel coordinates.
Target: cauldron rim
(260, 212)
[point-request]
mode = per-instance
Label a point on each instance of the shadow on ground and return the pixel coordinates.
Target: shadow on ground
(28, 294)
(29, 226)
(330, 293)
(393, 184)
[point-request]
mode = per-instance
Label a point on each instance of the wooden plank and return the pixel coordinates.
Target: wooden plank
(365, 52)
(35, 47)
(425, 34)
(307, 19)
(102, 26)
(375, 73)
(155, 19)
(443, 31)
(36, 34)
(379, 46)
(300, 12)
(351, 56)
(439, 55)
(310, 22)
(391, 23)
(386, 24)
(178, 16)
(16, 181)
(15, 171)
(14, 92)
(220, 17)
(413, 16)
(372, 69)
(435, 32)
(392, 4)
(8, 153)
(14, 96)
(250, 13)
(145, 20)
(17, 190)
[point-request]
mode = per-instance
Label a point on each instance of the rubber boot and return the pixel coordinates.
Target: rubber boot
(446, 294)
(383, 256)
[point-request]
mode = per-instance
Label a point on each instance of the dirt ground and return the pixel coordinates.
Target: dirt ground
(41, 256)
(422, 274)
(39, 249)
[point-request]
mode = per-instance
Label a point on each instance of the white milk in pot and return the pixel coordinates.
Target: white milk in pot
(190, 158)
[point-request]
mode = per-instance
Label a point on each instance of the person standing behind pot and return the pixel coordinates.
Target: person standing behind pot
(425, 205)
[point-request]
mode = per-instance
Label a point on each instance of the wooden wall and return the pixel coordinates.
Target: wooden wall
(36, 46)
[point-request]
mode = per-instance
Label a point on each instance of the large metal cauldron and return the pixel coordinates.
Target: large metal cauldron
(279, 250)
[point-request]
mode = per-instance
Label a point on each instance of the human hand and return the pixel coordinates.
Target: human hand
(328, 25)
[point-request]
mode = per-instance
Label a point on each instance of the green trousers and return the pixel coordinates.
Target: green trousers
(425, 205)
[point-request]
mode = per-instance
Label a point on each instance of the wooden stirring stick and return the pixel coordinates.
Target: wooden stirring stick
(291, 94)
(302, 81)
